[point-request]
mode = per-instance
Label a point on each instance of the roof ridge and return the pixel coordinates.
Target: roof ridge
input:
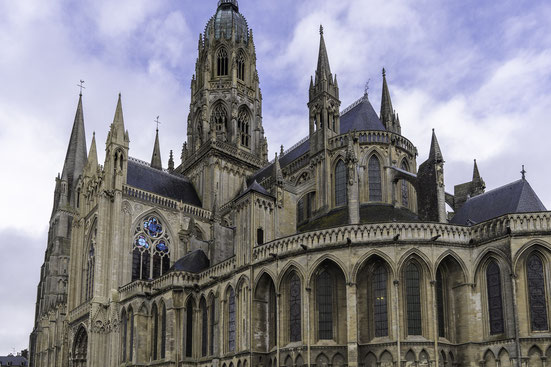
(496, 188)
(164, 171)
(354, 104)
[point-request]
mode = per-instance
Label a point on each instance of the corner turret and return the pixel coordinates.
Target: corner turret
(431, 194)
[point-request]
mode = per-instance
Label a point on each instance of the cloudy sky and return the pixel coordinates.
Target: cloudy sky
(476, 71)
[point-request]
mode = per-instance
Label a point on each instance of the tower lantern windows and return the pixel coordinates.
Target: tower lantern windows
(241, 66)
(222, 62)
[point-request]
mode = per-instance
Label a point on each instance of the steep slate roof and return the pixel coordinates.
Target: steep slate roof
(361, 117)
(516, 197)
(176, 187)
(194, 262)
(15, 361)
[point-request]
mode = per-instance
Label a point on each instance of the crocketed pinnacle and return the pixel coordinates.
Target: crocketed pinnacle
(435, 154)
(387, 112)
(324, 70)
(92, 163)
(156, 161)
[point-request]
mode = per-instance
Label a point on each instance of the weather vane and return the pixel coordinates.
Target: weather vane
(366, 91)
(81, 85)
(157, 122)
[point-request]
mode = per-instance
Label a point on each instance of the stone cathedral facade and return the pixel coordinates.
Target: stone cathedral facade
(339, 252)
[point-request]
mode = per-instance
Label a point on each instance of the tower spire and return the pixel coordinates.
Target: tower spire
(388, 117)
(76, 157)
(92, 163)
(324, 70)
(156, 161)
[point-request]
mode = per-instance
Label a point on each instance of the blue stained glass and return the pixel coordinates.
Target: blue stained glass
(152, 227)
(142, 242)
(162, 247)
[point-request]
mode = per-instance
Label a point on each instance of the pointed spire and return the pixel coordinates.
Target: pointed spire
(476, 174)
(171, 162)
(387, 112)
(92, 163)
(75, 159)
(117, 127)
(324, 70)
(435, 153)
(156, 161)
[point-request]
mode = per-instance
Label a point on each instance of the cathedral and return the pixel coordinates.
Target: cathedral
(340, 251)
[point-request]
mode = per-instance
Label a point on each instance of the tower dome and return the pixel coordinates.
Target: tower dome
(226, 19)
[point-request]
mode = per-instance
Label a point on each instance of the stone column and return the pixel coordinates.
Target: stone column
(352, 324)
(308, 324)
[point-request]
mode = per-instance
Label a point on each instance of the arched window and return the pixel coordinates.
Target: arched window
(219, 118)
(413, 299)
(340, 183)
(536, 291)
(151, 253)
(189, 327)
(295, 309)
(163, 332)
(90, 264)
(379, 294)
(204, 327)
(231, 320)
(155, 333)
(211, 326)
(374, 179)
(243, 124)
(324, 296)
(404, 186)
(222, 62)
(495, 302)
(440, 307)
(241, 66)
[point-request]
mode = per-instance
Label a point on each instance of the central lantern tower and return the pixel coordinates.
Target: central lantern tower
(225, 137)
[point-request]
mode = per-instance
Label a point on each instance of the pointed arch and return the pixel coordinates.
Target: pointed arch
(482, 260)
(543, 246)
(420, 257)
(374, 179)
(222, 62)
(241, 62)
(370, 360)
(219, 119)
(80, 347)
(331, 258)
(453, 255)
(338, 360)
(536, 285)
(244, 118)
(367, 258)
(265, 311)
(189, 324)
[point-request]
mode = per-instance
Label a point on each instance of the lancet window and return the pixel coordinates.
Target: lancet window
(374, 179)
(536, 292)
(204, 327)
(340, 183)
(241, 66)
(219, 119)
(413, 299)
(231, 320)
(379, 290)
(222, 62)
(295, 308)
(324, 296)
(211, 326)
(404, 187)
(189, 327)
(90, 264)
(243, 124)
(495, 302)
(151, 253)
(440, 306)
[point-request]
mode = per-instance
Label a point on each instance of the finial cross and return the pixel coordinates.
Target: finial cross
(81, 86)
(157, 122)
(523, 173)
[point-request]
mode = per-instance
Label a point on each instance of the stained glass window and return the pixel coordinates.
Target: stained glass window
(340, 184)
(155, 336)
(413, 299)
(495, 302)
(151, 252)
(163, 332)
(374, 179)
(536, 292)
(405, 190)
(243, 124)
(324, 293)
(189, 327)
(295, 309)
(231, 320)
(241, 66)
(440, 306)
(379, 294)
(204, 327)
(222, 62)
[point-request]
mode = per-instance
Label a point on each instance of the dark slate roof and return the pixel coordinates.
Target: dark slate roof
(173, 186)
(516, 197)
(362, 116)
(256, 187)
(194, 262)
(15, 361)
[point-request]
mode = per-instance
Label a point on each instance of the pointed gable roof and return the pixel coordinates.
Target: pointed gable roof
(76, 157)
(515, 197)
(360, 116)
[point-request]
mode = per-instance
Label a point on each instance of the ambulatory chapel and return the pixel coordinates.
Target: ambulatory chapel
(340, 251)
